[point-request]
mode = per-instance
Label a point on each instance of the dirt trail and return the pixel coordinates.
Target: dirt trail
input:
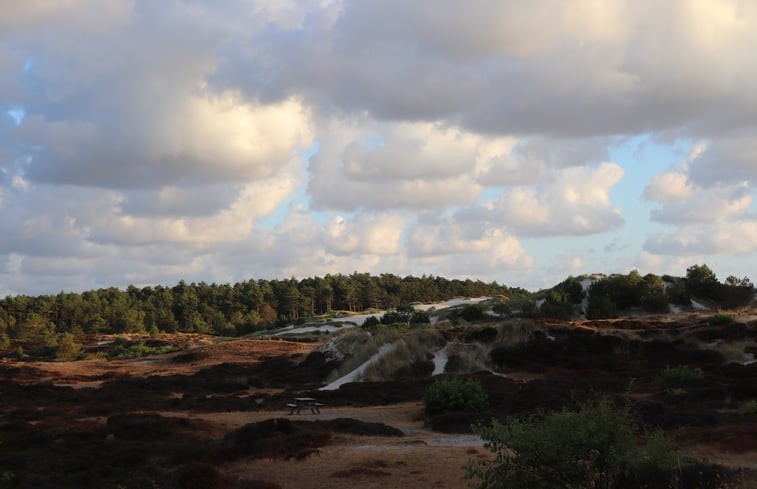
(350, 465)
(421, 458)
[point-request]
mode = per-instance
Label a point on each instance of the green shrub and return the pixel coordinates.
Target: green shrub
(420, 317)
(656, 304)
(395, 317)
(732, 297)
(678, 375)
(137, 350)
(678, 294)
(68, 349)
(502, 309)
(594, 446)
(371, 322)
(472, 312)
(601, 307)
(720, 319)
(446, 395)
(572, 289)
(749, 407)
(555, 308)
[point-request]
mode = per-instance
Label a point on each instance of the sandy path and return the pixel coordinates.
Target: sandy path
(351, 466)
(404, 416)
(422, 458)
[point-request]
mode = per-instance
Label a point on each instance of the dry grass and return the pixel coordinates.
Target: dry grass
(516, 332)
(354, 464)
(90, 373)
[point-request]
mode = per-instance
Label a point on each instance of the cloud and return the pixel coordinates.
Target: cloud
(65, 221)
(669, 186)
(648, 262)
(217, 139)
(367, 234)
(125, 102)
(705, 205)
(157, 135)
(20, 17)
(440, 236)
(727, 161)
(687, 197)
(459, 248)
(372, 165)
(533, 160)
(709, 199)
(577, 202)
(735, 236)
(574, 69)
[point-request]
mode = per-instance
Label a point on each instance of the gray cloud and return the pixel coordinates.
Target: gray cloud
(736, 236)
(125, 104)
(727, 160)
(157, 135)
(583, 70)
(705, 205)
(199, 201)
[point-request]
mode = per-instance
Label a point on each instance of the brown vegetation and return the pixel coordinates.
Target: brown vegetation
(213, 414)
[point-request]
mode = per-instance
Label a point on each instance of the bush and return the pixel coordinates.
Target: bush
(657, 304)
(601, 307)
(594, 446)
(395, 317)
(68, 349)
(529, 309)
(420, 317)
(749, 407)
(447, 395)
(371, 322)
(720, 319)
(678, 375)
(732, 297)
(502, 309)
(701, 280)
(124, 349)
(573, 290)
(678, 294)
(556, 307)
(472, 312)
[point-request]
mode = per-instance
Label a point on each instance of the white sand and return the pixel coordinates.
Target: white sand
(440, 360)
(352, 376)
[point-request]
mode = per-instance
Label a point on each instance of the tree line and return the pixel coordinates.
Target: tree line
(222, 309)
(611, 295)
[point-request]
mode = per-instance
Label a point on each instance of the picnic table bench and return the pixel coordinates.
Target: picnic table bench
(301, 403)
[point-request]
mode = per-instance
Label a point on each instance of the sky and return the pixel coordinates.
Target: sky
(144, 142)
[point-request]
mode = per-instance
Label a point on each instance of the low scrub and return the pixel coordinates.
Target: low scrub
(414, 348)
(678, 375)
(464, 358)
(595, 446)
(68, 349)
(720, 319)
(447, 395)
(138, 350)
(517, 332)
(749, 407)
(357, 347)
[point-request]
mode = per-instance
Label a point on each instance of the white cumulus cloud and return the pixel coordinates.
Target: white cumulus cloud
(577, 202)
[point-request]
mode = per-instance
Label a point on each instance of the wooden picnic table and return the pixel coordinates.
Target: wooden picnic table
(304, 403)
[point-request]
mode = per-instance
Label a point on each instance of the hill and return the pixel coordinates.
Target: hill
(214, 411)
